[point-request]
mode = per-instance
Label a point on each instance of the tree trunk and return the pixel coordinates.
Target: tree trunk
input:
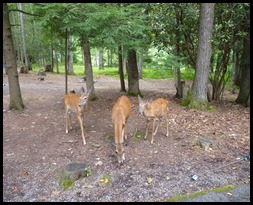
(101, 59)
(121, 73)
(232, 83)
(109, 53)
(179, 86)
(16, 101)
(140, 64)
(200, 82)
(244, 92)
(56, 55)
(133, 77)
(70, 55)
(52, 55)
(88, 69)
(66, 62)
(23, 33)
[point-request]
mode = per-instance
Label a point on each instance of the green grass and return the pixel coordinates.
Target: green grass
(176, 198)
(147, 73)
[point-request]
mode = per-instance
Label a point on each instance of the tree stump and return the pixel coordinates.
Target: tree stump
(205, 143)
(48, 68)
(74, 171)
(23, 69)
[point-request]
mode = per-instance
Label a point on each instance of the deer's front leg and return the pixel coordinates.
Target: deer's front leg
(67, 121)
(124, 135)
(81, 126)
(153, 134)
(167, 121)
(159, 121)
(147, 123)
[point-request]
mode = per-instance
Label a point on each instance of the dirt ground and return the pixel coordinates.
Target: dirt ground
(35, 145)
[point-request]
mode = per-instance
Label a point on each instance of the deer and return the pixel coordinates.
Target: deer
(75, 103)
(120, 114)
(154, 110)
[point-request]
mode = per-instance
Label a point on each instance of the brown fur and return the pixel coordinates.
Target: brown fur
(154, 110)
(72, 104)
(120, 114)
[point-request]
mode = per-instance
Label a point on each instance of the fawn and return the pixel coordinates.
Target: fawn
(75, 103)
(120, 114)
(154, 110)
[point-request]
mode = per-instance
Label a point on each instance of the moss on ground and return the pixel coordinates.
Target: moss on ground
(193, 195)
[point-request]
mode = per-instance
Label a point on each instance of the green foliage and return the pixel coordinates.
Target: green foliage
(66, 183)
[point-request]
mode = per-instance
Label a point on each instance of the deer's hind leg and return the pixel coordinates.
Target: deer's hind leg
(68, 121)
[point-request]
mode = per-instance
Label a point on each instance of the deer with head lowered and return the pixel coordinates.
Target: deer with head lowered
(154, 110)
(76, 104)
(120, 114)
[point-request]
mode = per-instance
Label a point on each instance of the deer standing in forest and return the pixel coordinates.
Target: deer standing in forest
(75, 103)
(120, 114)
(154, 110)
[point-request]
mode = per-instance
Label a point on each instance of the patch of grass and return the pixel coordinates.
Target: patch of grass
(147, 73)
(66, 183)
(193, 195)
(137, 135)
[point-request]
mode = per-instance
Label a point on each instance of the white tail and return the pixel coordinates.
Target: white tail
(154, 110)
(120, 114)
(75, 103)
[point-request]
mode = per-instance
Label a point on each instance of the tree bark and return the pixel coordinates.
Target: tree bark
(109, 53)
(23, 35)
(16, 101)
(200, 82)
(179, 86)
(140, 64)
(101, 59)
(133, 77)
(88, 69)
(70, 55)
(121, 73)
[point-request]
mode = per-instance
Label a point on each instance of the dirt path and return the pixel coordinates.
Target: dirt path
(35, 145)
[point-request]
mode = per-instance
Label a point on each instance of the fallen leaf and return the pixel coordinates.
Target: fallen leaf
(98, 163)
(104, 180)
(149, 180)
(230, 194)
(55, 192)
(15, 189)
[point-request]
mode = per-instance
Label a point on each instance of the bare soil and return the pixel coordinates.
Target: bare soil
(35, 145)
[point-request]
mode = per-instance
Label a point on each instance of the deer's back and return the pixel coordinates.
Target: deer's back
(157, 108)
(121, 109)
(71, 102)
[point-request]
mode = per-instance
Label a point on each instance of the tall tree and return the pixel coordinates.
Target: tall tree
(88, 68)
(133, 77)
(200, 82)
(16, 101)
(244, 92)
(101, 58)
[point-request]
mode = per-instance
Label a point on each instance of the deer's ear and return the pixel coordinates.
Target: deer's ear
(139, 98)
(82, 90)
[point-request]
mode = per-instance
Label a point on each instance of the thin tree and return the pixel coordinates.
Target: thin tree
(16, 101)
(121, 72)
(198, 97)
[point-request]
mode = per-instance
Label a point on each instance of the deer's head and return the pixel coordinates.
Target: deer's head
(83, 97)
(120, 153)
